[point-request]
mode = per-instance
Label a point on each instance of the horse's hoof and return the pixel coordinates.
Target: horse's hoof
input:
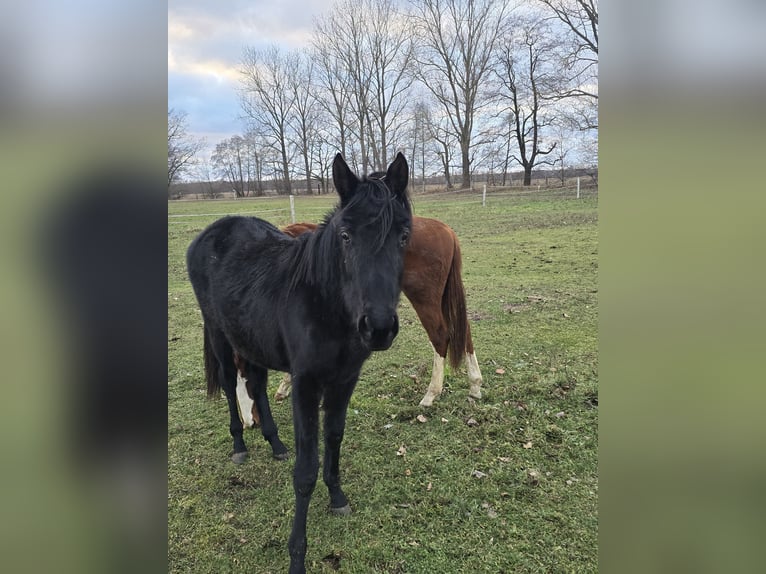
(427, 402)
(279, 397)
(239, 457)
(281, 455)
(342, 511)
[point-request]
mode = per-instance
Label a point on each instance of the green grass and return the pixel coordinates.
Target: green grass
(530, 271)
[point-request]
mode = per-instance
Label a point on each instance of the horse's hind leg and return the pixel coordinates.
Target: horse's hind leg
(474, 373)
(284, 388)
(229, 378)
(474, 376)
(247, 411)
(435, 326)
(219, 358)
(246, 405)
(437, 381)
(256, 385)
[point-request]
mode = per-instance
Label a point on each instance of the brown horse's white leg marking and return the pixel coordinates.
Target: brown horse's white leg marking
(437, 381)
(245, 402)
(474, 376)
(284, 388)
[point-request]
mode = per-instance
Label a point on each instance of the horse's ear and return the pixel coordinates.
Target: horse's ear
(344, 179)
(398, 175)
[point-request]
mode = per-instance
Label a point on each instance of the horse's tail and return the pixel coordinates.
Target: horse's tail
(212, 368)
(454, 310)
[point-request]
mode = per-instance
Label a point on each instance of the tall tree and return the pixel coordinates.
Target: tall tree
(333, 90)
(528, 78)
(340, 34)
(305, 112)
(579, 19)
(365, 49)
(267, 100)
(234, 160)
(457, 40)
(392, 45)
(182, 147)
(420, 136)
(443, 142)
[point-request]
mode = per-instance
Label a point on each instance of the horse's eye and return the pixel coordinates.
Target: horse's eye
(405, 238)
(345, 236)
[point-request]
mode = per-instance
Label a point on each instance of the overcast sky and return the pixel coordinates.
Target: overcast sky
(654, 44)
(205, 43)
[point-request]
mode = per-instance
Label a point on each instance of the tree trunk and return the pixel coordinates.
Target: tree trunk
(466, 165)
(286, 168)
(308, 173)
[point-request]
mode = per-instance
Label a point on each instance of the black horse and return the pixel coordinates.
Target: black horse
(315, 306)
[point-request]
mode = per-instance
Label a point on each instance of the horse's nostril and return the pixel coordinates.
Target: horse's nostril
(364, 324)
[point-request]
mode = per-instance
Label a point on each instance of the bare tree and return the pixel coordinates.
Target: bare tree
(205, 169)
(443, 142)
(334, 90)
(365, 52)
(562, 151)
(507, 138)
(182, 147)
(268, 101)
(304, 118)
(579, 19)
(527, 80)
(457, 40)
(235, 161)
(421, 138)
(340, 36)
(390, 37)
(259, 148)
(323, 151)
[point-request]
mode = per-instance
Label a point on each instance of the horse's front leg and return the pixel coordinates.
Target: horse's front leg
(306, 425)
(335, 406)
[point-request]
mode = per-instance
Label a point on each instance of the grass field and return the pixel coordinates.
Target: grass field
(516, 492)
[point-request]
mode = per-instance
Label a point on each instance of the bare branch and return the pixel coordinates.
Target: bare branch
(182, 148)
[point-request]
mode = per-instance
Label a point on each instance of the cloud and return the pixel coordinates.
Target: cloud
(217, 70)
(205, 45)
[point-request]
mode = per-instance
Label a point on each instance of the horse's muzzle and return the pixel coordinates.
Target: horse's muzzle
(378, 332)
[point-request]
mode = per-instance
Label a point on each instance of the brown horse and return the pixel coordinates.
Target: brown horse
(433, 284)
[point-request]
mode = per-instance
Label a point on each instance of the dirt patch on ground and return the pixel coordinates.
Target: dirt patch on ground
(519, 307)
(477, 316)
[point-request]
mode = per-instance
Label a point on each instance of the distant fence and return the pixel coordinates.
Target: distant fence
(482, 197)
(434, 184)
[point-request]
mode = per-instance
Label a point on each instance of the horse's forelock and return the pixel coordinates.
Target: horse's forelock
(319, 247)
(373, 189)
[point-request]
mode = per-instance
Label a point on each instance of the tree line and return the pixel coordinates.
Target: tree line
(459, 86)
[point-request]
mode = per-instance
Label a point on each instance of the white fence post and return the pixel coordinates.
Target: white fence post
(292, 208)
(484, 196)
(578, 188)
